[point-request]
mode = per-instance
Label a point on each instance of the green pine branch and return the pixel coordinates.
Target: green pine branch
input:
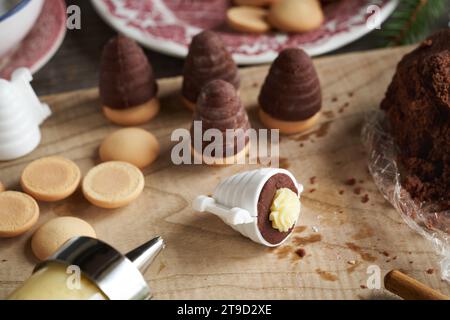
(411, 21)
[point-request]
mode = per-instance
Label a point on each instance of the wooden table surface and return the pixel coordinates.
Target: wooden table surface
(345, 232)
(75, 66)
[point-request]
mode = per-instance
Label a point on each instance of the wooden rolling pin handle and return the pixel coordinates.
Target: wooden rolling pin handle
(410, 289)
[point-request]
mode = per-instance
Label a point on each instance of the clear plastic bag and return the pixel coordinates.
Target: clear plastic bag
(425, 219)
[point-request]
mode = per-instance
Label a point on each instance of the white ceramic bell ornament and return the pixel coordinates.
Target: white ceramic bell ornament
(21, 114)
(235, 201)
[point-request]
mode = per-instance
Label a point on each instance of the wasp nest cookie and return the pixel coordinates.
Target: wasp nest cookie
(127, 83)
(290, 99)
(219, 107)
(208, 59)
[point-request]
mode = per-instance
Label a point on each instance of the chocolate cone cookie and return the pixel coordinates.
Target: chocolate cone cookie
(291, 98)
(207, 60)
(417, 105)
(219, 107)
(127, 84)
(263, 205)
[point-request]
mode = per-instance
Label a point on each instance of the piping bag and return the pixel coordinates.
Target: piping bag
(89, 269)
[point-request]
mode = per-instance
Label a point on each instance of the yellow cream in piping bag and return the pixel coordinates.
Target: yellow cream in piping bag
(52, 282)
(285, 209)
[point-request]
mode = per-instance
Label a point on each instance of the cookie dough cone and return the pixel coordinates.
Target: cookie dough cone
(127, 84)
(208, 59)
(291, 98)
(263, 205)
(219, 107)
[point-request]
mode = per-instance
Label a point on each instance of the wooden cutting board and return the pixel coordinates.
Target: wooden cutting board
(344, 228)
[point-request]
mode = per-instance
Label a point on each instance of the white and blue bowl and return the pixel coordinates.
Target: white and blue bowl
(17, 17)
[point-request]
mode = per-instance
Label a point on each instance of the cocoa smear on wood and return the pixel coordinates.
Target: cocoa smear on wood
(162, 266)
(286, 251)
(284, 163)
(345, 106)
(364, 255)
(299, 229)
(289, 251)
(385, 253)
(321, 132)
(328, 114)
(363, 233)
(325, 275)
(300, 252)
(365, 198)
(302, 241)
(283, 252)
(353, 267)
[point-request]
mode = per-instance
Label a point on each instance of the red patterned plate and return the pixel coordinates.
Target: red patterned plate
(41, 43)
(168, 26)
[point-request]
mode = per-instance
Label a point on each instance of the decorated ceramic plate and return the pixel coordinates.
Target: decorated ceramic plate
(167, 26)
(41, 43)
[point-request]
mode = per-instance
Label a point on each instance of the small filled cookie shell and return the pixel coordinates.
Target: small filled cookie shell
(226, 161)
(133, 145)
(18, 213)
(113, 184)
(133, 116)
(248, 19)
(255, 3)
(296, 16)
(50, 179)
(287, 127)
(53, 234)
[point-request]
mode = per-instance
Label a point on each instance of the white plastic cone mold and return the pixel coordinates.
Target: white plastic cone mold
(21, 114)
(235, 201)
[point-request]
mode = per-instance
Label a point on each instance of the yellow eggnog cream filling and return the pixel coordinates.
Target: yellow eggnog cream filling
(285, 209)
